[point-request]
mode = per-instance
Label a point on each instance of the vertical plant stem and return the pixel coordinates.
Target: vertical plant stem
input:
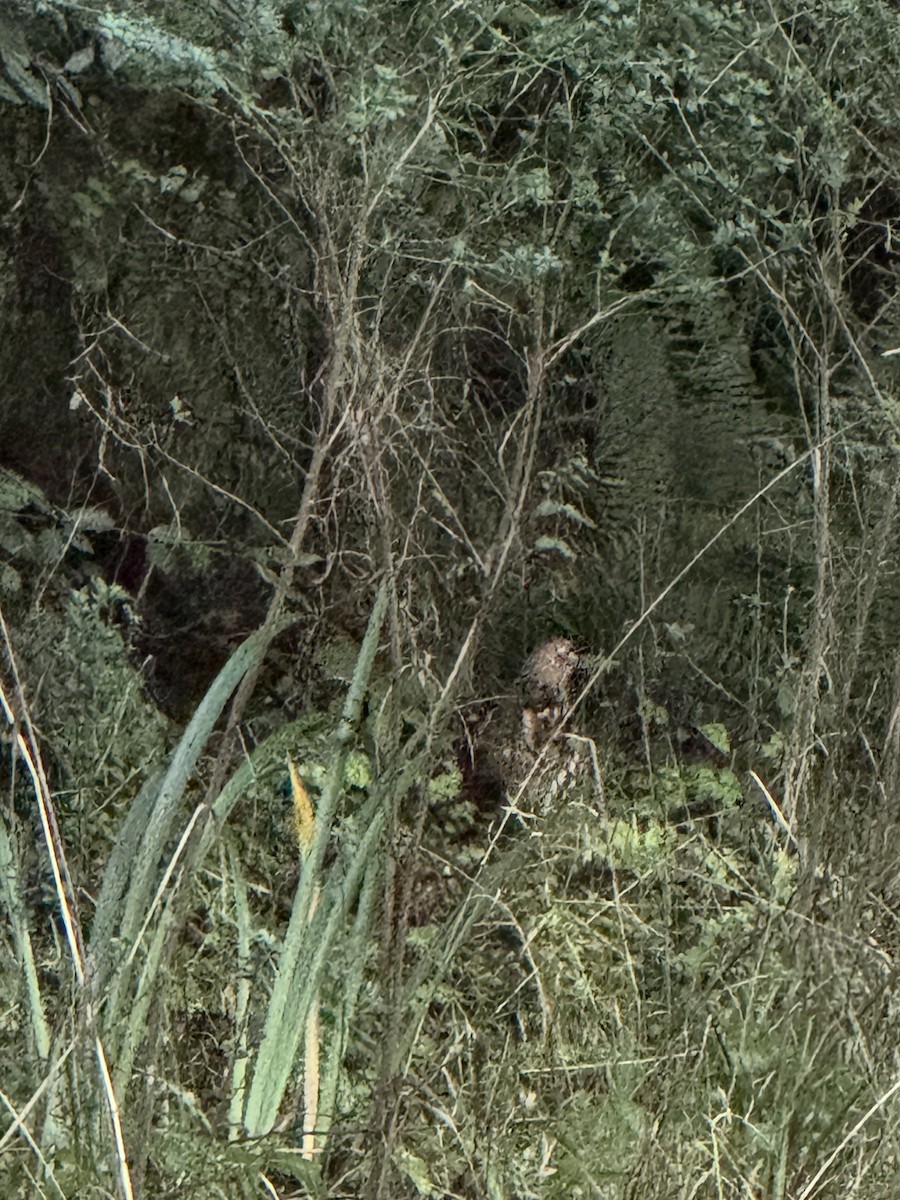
(311, 1065)
(287, 1012)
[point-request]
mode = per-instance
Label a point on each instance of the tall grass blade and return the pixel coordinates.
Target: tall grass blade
(292, 994)
(124, 904)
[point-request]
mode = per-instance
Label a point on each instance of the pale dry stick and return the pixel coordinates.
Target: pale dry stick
(19, 1124)
(63, 884)
(311, 1058)
(110, 430)
(892, 736)
(498, 553)
(257, 120)
(329, 431)
(240, 1059)
(206, 247)
(525, 416)
(405, 156)
(461, 538)
(21, 1117)
(30, 167)
(305, 830)
(785, 304)
(862, 361)
(419, 333)
(233, 497)
(595, 768)
(494, 563)
(523, 467)
(389, 409)
(164, 882)
(811, 1187)
(729, 67)
(603, 314)
(776, 811)
(472, 286)
(269, 1186)
(115, 323)
(62, 880)
(714, 1124)
(266, 427)
(590, 1066)
(544, 1003)
(820, 634)
(115, 1115)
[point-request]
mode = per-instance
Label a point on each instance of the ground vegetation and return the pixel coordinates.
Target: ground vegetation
(448, 581)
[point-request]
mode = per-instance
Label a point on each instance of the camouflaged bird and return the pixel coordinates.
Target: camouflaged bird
(547, 688)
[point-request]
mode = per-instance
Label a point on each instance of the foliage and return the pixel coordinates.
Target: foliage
(371, 345)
